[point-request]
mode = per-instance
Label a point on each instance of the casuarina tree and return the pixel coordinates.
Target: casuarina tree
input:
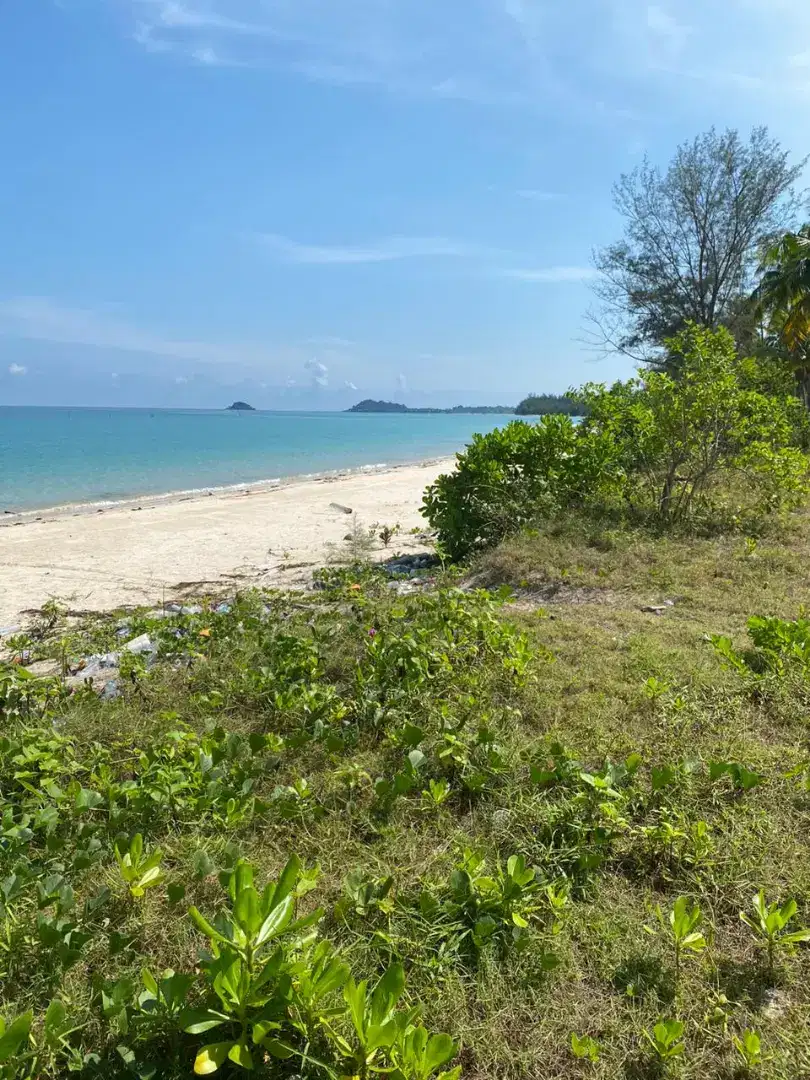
(693, 240)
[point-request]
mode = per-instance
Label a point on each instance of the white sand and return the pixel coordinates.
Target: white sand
(172, 546)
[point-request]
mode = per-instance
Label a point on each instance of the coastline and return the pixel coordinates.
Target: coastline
(144, 550)
(167, 498)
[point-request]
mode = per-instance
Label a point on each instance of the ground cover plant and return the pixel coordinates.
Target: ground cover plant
(551, 823)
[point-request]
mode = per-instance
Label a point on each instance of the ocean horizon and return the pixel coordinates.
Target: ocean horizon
(57, 456)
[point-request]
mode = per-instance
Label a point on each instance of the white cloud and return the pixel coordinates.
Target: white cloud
(17, 369)
(318, 371)
(402, 381)
(349, 385)
(387, 250)
(181, 380)
(551, 274)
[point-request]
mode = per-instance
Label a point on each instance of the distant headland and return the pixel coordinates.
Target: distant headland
(371, 406)
(240, 406)
(533, 405)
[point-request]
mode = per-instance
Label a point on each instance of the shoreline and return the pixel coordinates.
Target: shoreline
(146, 550)
(168, 498)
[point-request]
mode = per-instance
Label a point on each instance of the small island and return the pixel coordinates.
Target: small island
(240, 406)
(371, 406)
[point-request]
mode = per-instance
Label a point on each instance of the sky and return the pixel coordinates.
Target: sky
(306, 202)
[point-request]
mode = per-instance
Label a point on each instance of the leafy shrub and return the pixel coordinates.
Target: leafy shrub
(779, 645)
(511, 477)
(703, 445)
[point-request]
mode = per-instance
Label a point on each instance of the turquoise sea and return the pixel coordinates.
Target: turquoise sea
(50, 457)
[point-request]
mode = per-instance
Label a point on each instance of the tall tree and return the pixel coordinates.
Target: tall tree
(693, 238)
(782, 301)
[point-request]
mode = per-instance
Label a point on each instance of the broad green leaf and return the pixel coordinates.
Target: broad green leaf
(55, 1017)
(153, 876)
(288, 879)
(379, 1035)
(210, 1058)
(206, 927)
(277, 921)
(387, 993)
(240, 1054)
(247, 911)
(15, 1035)
(796, 936)
(440, 1049)
(196, 1021)
(277, 1049)
(355, 997)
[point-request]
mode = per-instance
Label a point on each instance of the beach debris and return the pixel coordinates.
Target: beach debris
(92, 667)
(141, 644)
(111, 690)
(23, 658)
(7, 631)
(411, 565)
(658, 609)
(341, 508)
(191, 609)
(174, 608)
(403, 588)
(223, 609)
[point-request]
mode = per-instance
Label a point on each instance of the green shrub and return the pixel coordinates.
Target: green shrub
(513, 476)
(708, 445)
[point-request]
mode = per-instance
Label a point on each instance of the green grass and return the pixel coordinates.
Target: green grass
(270, 733)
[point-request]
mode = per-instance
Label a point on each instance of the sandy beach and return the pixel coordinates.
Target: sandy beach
(140, 552)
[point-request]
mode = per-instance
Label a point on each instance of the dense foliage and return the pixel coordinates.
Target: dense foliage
(714, 443)
(548, 405)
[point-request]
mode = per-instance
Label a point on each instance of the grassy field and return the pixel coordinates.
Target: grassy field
(406, 749)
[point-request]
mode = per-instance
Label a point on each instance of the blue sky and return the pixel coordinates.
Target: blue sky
(308, 201)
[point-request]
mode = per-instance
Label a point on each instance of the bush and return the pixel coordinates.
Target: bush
(511, 477)
(709, 444)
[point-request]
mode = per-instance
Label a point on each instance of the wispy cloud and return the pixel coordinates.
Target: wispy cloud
(17, 369)
(391, 249)
(515, 52)
(550, 275)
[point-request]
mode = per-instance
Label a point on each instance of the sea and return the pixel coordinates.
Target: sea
(52, 457)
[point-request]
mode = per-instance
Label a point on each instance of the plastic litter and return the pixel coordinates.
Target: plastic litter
(141, 644)
(98, 664)
(111, 691)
